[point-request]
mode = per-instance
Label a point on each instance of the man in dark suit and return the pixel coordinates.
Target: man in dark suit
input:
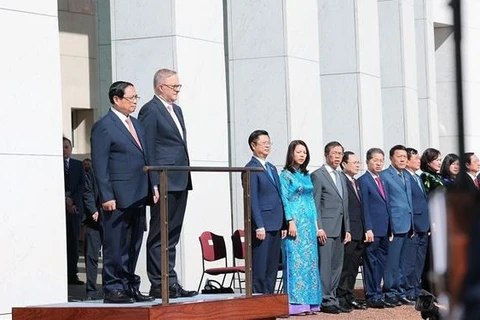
(74, 178)
(353, 249)
(331, 200)
(119, 154)
(166, 137)
(418, 244)
(468, 179)
(377, 224)
(399, 198)
(267, 214)
(93, 234)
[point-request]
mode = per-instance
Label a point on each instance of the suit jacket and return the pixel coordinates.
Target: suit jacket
(91, 199)
(265, 198)
(332, 208)
(421, 218)
(167, 148)
(375, 207)
(399, 194)
(76, 183)
(355, 210)
(118, 162)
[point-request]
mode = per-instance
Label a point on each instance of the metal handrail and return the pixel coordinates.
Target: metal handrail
(163, 170)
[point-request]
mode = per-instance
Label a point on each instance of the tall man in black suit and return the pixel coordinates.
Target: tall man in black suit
(166, 138)
(74, 178)
(353, 249)
(119, 154)
(418, 244)
(267, 215)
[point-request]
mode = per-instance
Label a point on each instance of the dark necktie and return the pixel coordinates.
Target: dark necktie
(65, 166)
(380, 187)
(354, 185)
(476, 183)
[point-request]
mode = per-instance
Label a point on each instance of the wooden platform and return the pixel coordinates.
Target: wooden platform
(222, 307)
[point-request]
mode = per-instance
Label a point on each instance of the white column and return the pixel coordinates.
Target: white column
(426, 75)
(399, 73)
(32, 218)
(186, 37)
(350, 74)
(274, 82)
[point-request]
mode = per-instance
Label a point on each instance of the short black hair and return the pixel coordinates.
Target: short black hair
(346, 157)
(447, 162)
(467, 156)
(118, 89)
(68, 140)
(397, 147)
(332, 144)
(411, 152)
(254, 137)
(372, 151)
(428, 156)
(289, 162)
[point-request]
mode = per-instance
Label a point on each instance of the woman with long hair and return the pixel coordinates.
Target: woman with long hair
(450, 168)
(430, 164)
(300, 247)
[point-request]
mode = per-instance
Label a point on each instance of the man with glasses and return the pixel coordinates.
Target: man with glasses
(166, 138)
(119, 153)
(331, 199)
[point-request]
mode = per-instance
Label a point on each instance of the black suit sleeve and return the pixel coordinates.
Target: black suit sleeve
(89, 197)
(148, 119)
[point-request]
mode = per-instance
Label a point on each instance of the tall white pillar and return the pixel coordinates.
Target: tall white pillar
(274, 82)
(186, 37)
(399, 73)
(32, 218)
(350, 74)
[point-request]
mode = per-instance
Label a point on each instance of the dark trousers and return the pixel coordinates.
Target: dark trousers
(395, 270)
(418, 252)
(330, 264)
(375, 259)
(177, 203)
(351, 261)
(427, 269)
(92, 245)
(73, 222)
(265, 260)
(122, 238)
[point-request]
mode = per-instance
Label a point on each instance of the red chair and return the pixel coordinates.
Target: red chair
(238, 243)
(213, 249)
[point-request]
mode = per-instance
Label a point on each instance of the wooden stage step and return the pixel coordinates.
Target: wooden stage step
(222, 307)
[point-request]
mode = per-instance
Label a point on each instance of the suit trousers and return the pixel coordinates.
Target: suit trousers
(417, 253)
(375, 259)
(397, 263)
(330, 264)
(351, 261)
(92, 245)
(73, 222)
(265, 261)
(177, 203)
(122, 238)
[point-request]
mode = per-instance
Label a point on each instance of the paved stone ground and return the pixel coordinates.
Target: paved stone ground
(398, 313)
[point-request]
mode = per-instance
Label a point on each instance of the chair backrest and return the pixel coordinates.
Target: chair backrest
(238, 242)
(213, 246)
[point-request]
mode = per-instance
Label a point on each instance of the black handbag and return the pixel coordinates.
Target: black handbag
(213, 287)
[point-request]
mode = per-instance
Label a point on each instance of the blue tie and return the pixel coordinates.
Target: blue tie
(269, 171)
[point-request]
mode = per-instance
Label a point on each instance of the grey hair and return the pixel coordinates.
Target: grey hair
(161, 75)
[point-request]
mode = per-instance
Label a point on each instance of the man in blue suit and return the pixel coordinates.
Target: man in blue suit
(421, 227)
(74, 178)
(399, 198)
(377, 226)
(166, 137)
(119, 153)
(267, 214)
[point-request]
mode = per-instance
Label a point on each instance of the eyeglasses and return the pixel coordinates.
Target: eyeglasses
(265, 143)
(131, 99)
(175, 87)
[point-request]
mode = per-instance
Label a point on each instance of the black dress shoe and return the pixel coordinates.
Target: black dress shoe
(344, 309)
(377, 304)
(92, 298)
(329, 309)
(357, 305)
(390, 302)
(413, 299)
(139, 297)
(75, 281)
(156, 292)
(406, 301)
(117, 297)
(176, 291)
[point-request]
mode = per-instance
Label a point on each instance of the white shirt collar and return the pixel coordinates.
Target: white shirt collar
(165, 103)
(263, 162)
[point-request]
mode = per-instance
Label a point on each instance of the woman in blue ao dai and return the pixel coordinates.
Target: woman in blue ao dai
(299, 248)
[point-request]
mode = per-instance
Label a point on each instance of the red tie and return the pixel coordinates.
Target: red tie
(380, 187)
(476, 183)
(354, 185)
(133, 132)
